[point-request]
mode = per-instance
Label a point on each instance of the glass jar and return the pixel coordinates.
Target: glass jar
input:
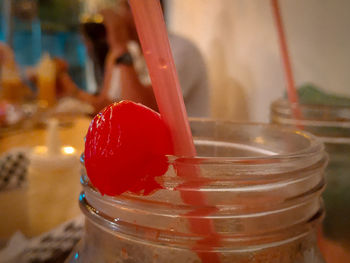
(332, 125)
(262, 186)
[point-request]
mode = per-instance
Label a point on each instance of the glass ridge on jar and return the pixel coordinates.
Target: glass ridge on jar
(265, 183)
(331, 124)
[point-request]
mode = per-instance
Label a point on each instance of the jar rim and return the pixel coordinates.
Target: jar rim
(259, 168)
(285, 102)
(312, 151)
(283, 106)
(314, 147)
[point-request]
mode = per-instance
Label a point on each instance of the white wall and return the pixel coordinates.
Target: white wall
(239, 41)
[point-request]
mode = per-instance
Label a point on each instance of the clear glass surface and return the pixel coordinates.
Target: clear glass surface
(262, 185)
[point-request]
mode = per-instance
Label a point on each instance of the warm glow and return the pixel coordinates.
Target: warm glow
(68, 150)
(40, 149)
(259, 140)
(303, 134)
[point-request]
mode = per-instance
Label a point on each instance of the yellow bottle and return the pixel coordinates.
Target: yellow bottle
(11, 84)
(47, 81)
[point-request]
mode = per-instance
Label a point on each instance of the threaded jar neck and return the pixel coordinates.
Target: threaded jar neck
(330, 123)
(262, 185)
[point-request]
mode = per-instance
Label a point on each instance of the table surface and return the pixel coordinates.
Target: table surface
(72, 133)
(29, 208)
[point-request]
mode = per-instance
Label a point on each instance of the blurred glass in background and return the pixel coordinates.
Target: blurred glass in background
(35, 27)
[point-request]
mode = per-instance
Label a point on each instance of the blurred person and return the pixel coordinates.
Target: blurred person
(120, 69)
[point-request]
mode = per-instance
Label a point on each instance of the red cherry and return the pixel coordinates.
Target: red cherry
(125, 149)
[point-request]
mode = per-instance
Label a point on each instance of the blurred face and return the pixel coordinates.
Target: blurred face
(125, 12)
(119, 24)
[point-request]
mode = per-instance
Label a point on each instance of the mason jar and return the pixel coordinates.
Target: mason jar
(261, 187)
(331, 124)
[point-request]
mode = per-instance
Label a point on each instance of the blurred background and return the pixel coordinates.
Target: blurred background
(237, 39)
(33, 27)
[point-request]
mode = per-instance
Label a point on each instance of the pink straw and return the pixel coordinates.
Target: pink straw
(155, 45)
(154, 40)
(291, 90)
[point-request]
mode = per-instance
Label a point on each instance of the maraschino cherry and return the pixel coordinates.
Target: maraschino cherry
(125, 149)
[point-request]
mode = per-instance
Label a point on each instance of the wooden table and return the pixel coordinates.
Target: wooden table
(17, 202)
(72, 133)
